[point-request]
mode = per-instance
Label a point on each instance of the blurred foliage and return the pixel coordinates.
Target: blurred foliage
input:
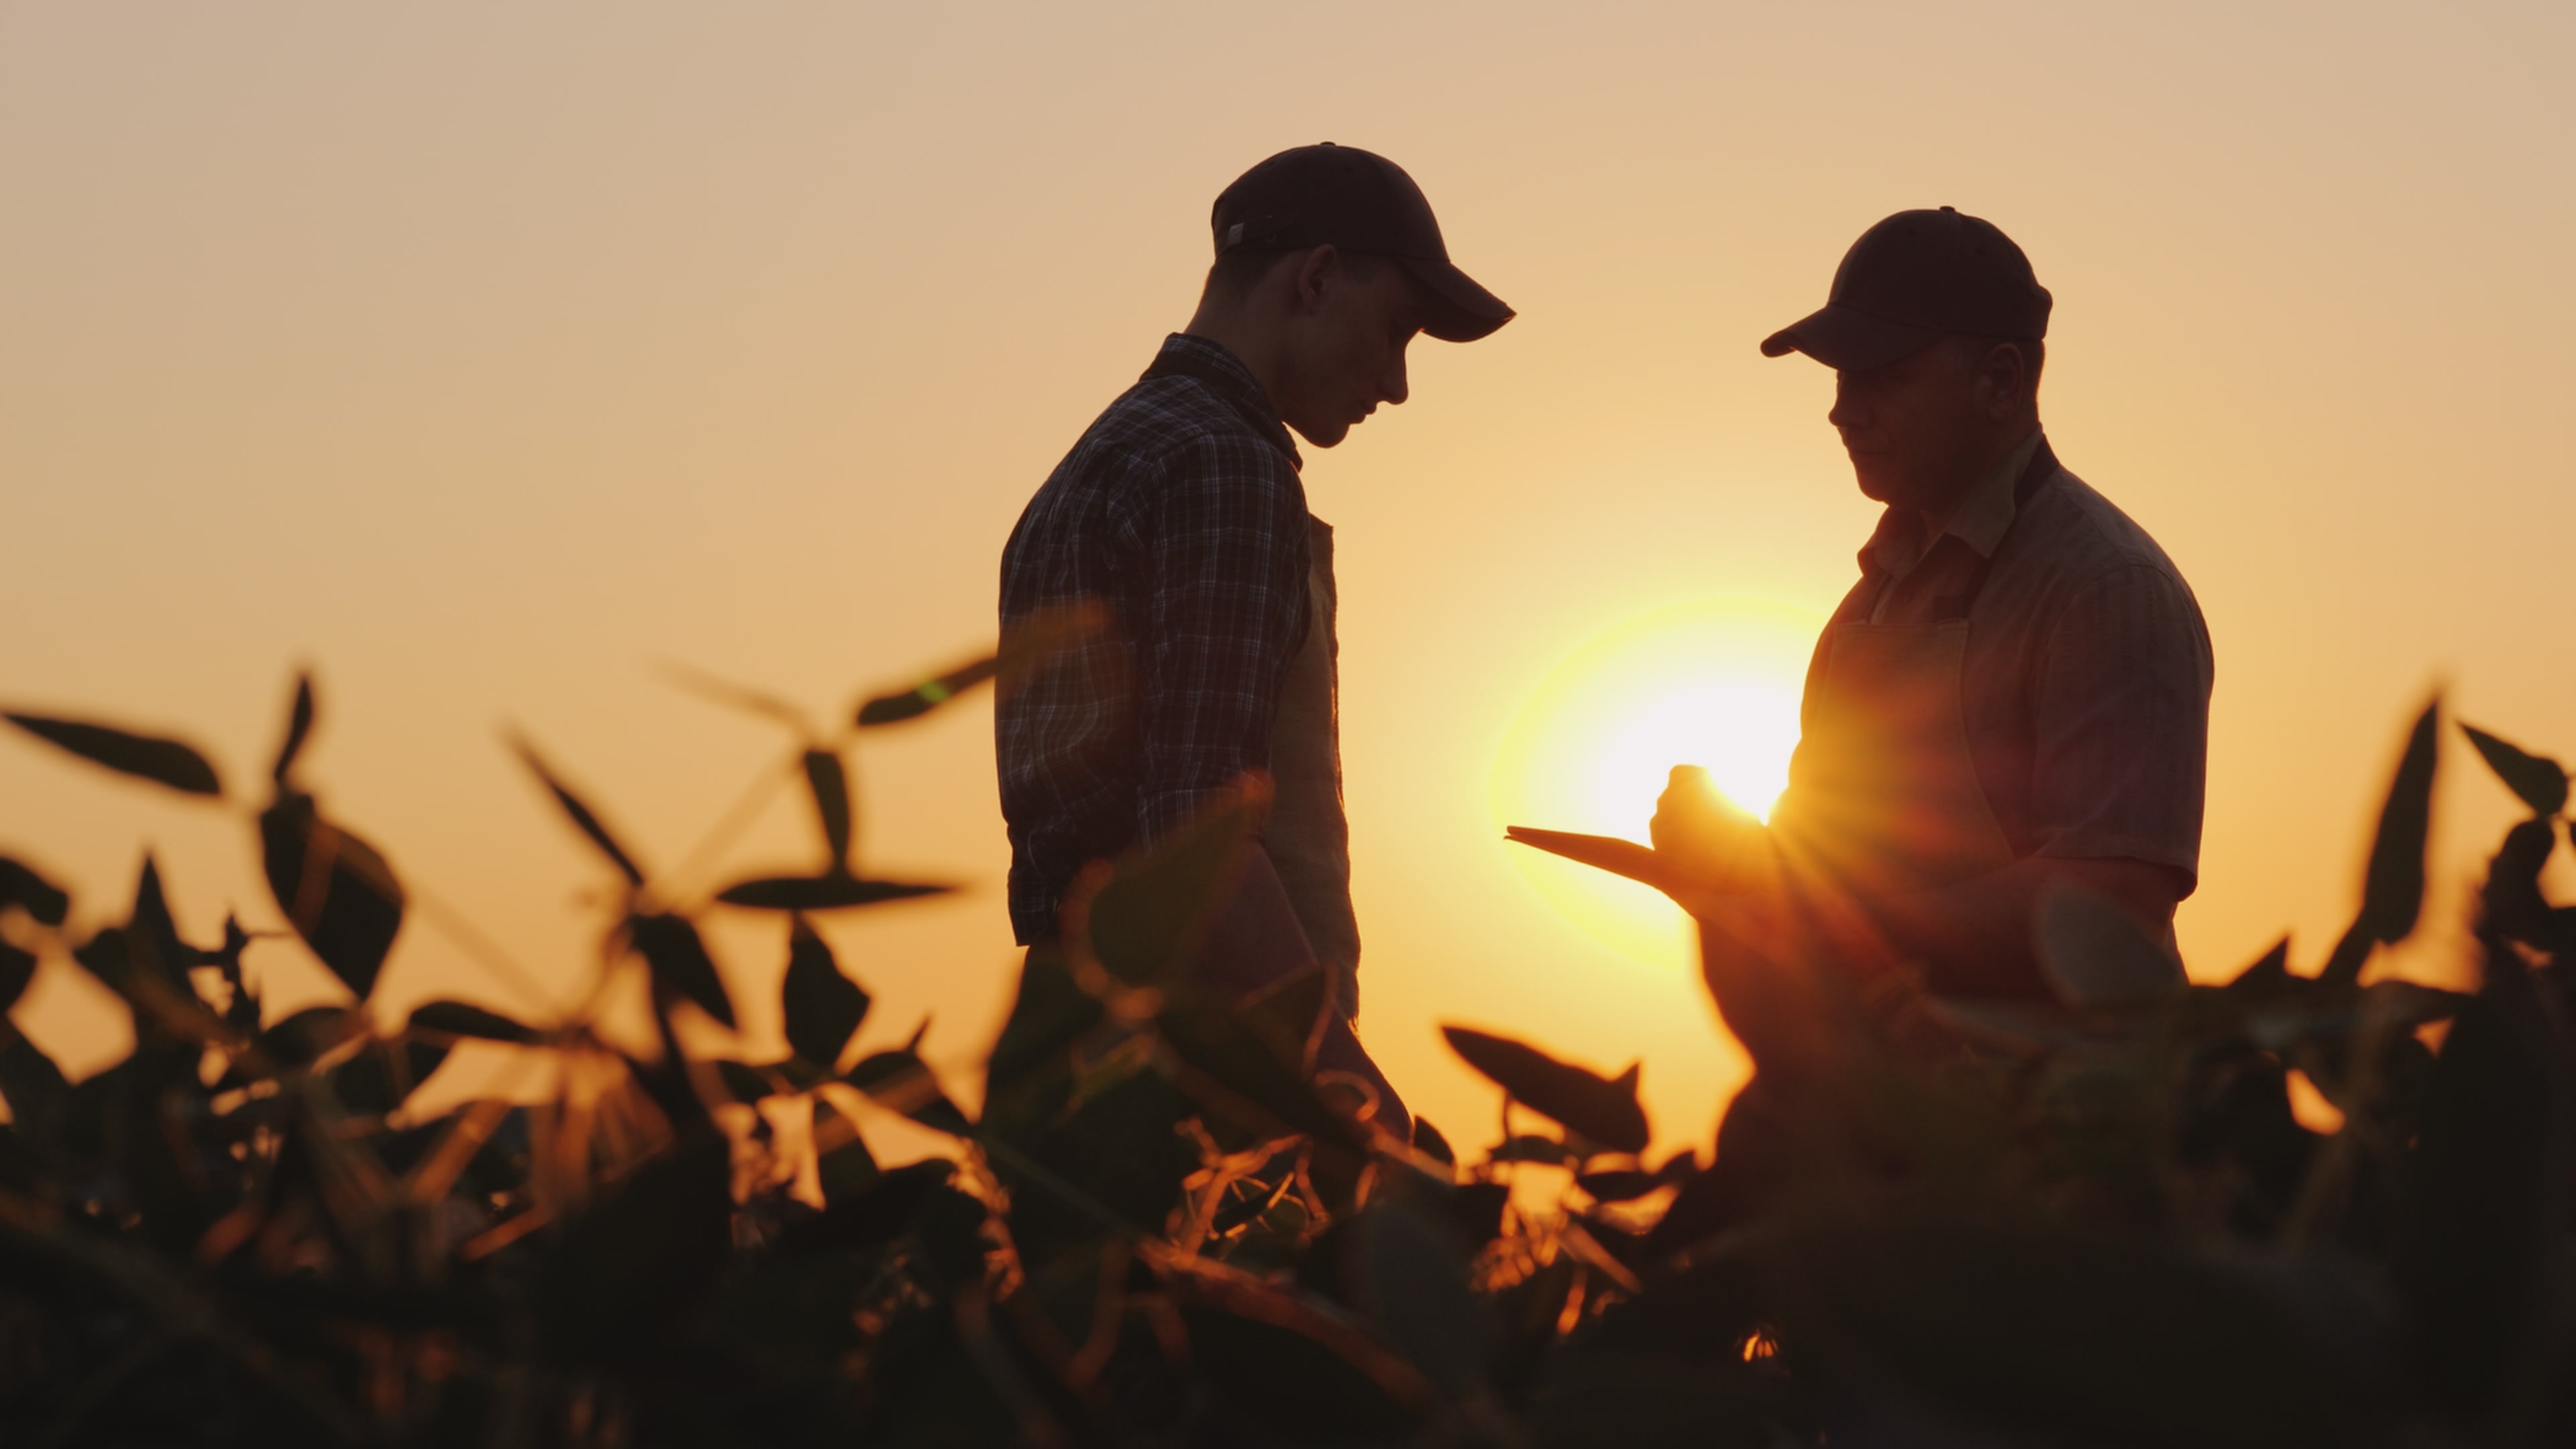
(1926, 1222)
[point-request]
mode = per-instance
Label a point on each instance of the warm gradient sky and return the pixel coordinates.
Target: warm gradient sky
(484, 354)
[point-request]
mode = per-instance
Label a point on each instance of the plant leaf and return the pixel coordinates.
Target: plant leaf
(736, 696)
(299, 724)
(583, 817)
(843, 1166)
(1625, 1185)
(336, 889)
(1237, 1056)
(1150, 917)
(2393, 891)
(872, 1216)
(2270, 973)
(17, 968)
(1598, 1107)
(746, 1083)
(1413, 1273)
(680, 963)
(822, 1007)
(310, 1035)
(35, 1088)
(900, 1080)
(821, 892)
(928, 695)
(1023, 643)
(22, 887)
(148, 757)
(458, 1018)
(2540, 781)
(831, 786)
(1428, 1141)
(1531, 1148)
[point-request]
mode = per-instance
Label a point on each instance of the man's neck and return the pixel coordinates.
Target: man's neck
(1936, 518)
(1230, 330)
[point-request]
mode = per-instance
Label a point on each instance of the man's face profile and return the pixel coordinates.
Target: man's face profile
(1350, 322)
(1918, 428)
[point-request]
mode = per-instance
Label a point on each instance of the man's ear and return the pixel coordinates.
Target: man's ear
(2006, 374)
(1312, 271)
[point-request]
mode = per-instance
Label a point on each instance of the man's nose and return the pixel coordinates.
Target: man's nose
(1846, 413)
(1393, 387)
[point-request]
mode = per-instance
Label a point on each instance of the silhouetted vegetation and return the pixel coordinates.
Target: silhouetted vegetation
(1929, 1223)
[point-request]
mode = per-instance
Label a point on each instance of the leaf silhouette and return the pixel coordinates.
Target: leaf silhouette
(2270, 973)
(928, 695)
(1153, 912)
(336, 889)
(583, 817)
(2540, 781)
(309, 1035)
(34, 1087)
(1239, 1057)
(384, 1075)
(1601, 1108)
(148, 757)
(900, 1080)
(736, 696)
(458, 1018)
(17, 968)
(820, 892)
(1531, 1148)
(1428, 1141)
(299, 725)
(1413, 1273)
(1023, 643)
(831, 786)
(40, 898)
(680, 963)
(2392, 893)
(872, 1215)
(746, 1083)
(822, 1007)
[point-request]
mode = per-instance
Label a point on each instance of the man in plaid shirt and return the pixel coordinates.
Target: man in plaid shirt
(1180, 511)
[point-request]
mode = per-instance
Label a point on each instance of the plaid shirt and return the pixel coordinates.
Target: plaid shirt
(1180, 510)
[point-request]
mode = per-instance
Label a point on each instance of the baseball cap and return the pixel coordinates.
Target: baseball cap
(1914, 277)
(1362, 202)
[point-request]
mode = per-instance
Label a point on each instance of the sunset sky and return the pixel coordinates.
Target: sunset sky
(485, 356)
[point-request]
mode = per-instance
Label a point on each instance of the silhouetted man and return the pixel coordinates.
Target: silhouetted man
(2015, 695)
(1180, 509)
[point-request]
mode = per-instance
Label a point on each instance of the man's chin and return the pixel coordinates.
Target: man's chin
(1322, 436)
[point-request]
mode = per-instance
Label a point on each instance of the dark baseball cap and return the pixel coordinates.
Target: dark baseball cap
(1361, 202)
(1914, 277)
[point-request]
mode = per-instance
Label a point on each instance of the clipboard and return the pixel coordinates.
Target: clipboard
(1625, 858)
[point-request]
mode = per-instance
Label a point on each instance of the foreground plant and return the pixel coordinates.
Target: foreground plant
(2098, 1223)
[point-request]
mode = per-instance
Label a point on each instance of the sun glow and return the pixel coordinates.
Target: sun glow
(1712, 683)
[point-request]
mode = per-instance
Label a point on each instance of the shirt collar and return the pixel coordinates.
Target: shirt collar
(1225, 375)
(1984, 517)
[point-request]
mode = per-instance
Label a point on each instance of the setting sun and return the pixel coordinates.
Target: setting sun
(1712, 683)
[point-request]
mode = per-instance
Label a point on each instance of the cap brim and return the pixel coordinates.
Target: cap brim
(1848, 340)
(1461, 311)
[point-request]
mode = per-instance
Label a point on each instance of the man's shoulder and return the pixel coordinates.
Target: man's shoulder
(1164, 418)
(2085, 537)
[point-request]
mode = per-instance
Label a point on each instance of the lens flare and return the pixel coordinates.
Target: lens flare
(1713, 683)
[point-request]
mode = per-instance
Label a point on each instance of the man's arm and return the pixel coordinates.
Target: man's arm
(2121, 707)
(1223, 534)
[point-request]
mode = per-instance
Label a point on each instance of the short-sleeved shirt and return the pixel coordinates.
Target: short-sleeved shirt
(1180, 509)
(2088, 667)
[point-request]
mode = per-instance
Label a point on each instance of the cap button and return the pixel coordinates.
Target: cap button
(1954, 211)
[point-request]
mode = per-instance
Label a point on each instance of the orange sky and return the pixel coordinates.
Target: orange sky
(484, 357)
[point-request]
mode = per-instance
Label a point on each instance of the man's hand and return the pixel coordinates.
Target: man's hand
(1709, 840)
